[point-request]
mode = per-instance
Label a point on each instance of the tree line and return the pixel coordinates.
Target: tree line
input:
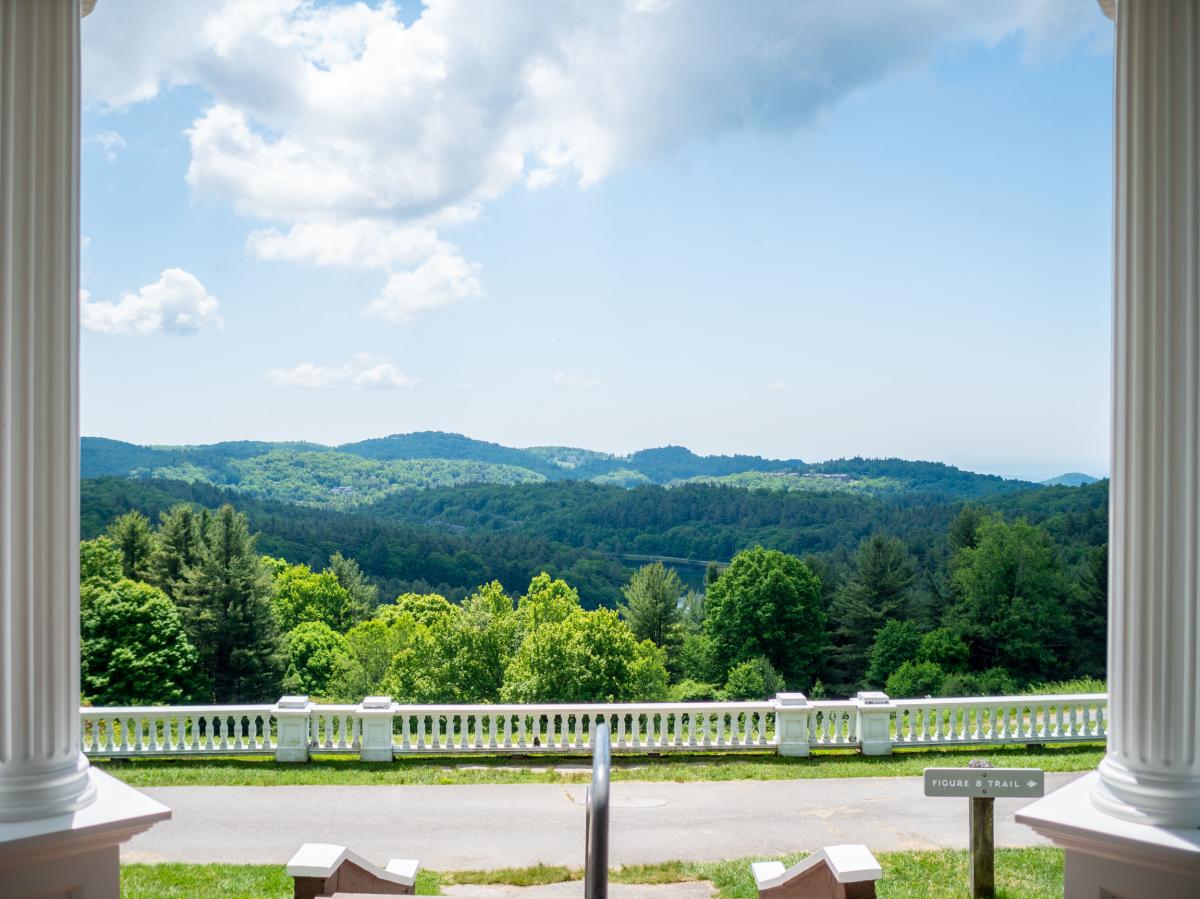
(191, 610)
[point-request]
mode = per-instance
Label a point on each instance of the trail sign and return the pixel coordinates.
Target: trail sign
(985, 783)
(982, 784)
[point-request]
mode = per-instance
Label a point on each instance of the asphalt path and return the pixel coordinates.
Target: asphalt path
(461, 827)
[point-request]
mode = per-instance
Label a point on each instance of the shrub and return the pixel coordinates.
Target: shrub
(693, 691)
(895, 643)
(913, 679)
(755, 679)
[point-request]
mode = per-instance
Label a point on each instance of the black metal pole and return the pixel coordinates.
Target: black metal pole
(595, 872)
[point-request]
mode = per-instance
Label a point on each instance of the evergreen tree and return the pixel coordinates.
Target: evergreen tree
(364, 595)
(227, 607)
(880, 588)
(651, 607)
(964, 528)
(177, 550)
(134, 540)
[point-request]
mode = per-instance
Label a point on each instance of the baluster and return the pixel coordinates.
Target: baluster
(535, 730)
(1101, 719)
(691, 726)
(1074, 731)
(507, 742)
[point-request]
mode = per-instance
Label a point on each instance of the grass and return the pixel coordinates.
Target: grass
(331, 769)
(1035, 873)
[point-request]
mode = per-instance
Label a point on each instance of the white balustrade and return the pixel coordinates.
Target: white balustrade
(1000, 719)
(567, 728)
(177, 730)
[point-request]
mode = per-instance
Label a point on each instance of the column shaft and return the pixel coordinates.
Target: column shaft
(42, 771)
(1152, 770)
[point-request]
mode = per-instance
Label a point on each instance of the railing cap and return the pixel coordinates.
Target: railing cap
(791, 699)
(872, 697)
(376, 702)
(293, 702)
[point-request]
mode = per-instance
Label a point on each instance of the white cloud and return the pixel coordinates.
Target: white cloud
(777, 385)
(177, 303)
(108, 141)
(575, 382)
(440, 280)
(357, 243)
(363, 372)
(362, 139)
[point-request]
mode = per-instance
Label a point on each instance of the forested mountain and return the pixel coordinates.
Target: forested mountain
(355, 474)
(454, 538)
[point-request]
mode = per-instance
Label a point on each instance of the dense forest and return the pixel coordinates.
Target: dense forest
(930, 580)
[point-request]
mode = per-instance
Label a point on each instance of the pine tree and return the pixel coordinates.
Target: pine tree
(134, 540)
(178, 549)
(364, 595)
(651, 606)
(879, 589)
(227, 607)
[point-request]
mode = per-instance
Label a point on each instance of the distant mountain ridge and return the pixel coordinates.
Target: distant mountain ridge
(354, 474)
(1070, 479)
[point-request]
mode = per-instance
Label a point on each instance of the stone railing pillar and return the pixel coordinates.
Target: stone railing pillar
(875, 712)
(375, 719)
(792, 724)
(291, 716)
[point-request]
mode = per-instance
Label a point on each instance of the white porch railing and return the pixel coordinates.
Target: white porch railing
(379, 730)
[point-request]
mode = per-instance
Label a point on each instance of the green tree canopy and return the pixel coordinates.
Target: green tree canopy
(879, 588)
(177, 549)
(768, 603)
(134, 540)
(895, 643)
(99, 566)
(301, 594)
(315, 654)
(584, 657)
(227, 610)
(364, 595)
(547, 601)
(134, 648)
(1013, 600)
(651, 606)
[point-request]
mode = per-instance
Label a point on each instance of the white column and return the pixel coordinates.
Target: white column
(42, 770)
(1152, 771)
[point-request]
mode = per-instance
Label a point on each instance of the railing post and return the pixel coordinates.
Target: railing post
(874, 722)
(291, 716)
(792, 723)
(375, 714)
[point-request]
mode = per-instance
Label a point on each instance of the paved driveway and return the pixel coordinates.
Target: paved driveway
(514, 825)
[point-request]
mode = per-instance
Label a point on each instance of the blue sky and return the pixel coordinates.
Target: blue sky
(797, 232)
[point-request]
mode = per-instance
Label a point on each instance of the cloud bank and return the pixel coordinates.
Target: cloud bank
(358, 140)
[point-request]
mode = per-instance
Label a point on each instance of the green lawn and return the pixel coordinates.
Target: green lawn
(1020, 874)
(260, 771)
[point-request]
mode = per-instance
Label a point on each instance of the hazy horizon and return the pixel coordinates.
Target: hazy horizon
(1033, 475)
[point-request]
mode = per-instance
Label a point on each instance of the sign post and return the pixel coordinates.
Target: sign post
(982, 783)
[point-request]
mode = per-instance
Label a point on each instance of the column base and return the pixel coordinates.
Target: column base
(75, 855)
(44, 794)
(1107, 856)
(1140, 797)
